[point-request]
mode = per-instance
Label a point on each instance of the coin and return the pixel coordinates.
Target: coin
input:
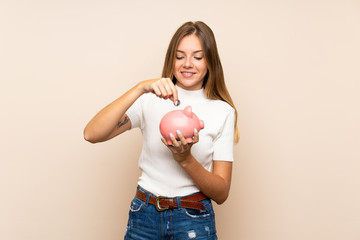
(177, 103)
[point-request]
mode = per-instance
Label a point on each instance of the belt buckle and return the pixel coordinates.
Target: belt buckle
(157, 204)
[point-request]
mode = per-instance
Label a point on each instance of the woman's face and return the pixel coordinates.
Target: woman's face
(190, 65)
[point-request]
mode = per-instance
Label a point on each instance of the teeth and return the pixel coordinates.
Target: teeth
(187, 74)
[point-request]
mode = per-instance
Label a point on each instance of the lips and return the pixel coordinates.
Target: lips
(187, 74)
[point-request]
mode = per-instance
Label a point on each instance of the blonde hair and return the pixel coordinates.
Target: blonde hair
(214, 82)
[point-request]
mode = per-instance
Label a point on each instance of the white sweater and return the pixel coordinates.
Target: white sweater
(161, 174)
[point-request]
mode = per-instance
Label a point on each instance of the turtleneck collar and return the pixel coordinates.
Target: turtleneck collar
(186, 96)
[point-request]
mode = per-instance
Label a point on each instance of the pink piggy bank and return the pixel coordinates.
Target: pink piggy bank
(183, 120)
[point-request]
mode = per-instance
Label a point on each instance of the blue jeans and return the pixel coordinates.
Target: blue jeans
(146, 223)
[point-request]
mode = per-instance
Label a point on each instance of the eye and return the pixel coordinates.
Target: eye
(179, 57)
(198, 58)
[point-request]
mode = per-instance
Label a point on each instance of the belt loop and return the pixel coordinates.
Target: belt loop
(178, 202)
(147, 198)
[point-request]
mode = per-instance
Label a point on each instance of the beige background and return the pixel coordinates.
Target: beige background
(292, 68)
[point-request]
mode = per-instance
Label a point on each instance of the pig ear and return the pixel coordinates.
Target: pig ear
(188, 111)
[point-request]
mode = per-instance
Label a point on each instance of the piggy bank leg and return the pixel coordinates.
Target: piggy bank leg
(169, 142)
(189, 139)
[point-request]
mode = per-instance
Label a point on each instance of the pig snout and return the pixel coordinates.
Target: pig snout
(201, 124)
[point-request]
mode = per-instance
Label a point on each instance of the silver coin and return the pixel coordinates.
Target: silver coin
(177, 103)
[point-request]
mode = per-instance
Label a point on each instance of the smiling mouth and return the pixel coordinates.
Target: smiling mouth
(187, 74)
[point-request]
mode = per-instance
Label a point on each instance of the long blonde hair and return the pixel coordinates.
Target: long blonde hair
(214, 82)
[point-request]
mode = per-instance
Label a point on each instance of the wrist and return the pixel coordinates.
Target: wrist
(187, 161)
(145, 86)
(140, 87)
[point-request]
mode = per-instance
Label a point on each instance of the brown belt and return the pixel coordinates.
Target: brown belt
(163, 203)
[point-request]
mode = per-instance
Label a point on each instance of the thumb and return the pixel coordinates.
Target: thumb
(175, 101)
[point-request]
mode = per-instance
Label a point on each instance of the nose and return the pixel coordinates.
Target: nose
(188, 63)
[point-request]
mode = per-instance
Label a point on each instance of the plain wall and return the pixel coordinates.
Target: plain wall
(292, 67)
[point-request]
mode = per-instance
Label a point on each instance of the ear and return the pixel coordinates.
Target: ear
(188, 111)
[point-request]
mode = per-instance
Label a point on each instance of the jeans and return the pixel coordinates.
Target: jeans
(146, 223)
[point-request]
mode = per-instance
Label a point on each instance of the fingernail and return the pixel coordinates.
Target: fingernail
(171, 135)
(178, 132)
(195, 130)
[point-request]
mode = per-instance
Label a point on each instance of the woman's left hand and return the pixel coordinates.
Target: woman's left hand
(181, 149)
(216, 183)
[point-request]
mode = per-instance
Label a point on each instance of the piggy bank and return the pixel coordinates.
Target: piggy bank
(183, 120)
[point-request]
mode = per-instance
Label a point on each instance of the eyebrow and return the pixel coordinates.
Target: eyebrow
(193, 52)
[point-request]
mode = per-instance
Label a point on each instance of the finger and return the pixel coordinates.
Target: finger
(156, 89)
(167, 86)
(174, 91)
(164, 141)
(196, 136)
(171, 147)
(162, 89)
(183, 141)
(173, 140)
(148, 85)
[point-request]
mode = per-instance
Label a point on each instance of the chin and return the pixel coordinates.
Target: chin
(190, 86)
(188, 83)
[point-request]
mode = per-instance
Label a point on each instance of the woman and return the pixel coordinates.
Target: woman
(178, 180)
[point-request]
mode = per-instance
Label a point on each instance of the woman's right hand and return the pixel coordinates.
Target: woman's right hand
(161, 87)
(112, 120)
